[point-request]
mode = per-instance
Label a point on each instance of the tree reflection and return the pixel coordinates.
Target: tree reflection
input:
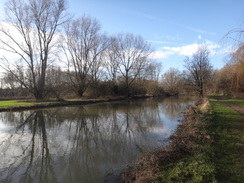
(172, 106)
(72, 144)
(29, 151)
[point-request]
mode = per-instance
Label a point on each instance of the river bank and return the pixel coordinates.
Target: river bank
(26, 104)
(183, 159)
(206, 147)
(227, 132)
(84, 143)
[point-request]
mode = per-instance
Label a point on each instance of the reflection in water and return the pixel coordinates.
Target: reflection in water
(81, 144)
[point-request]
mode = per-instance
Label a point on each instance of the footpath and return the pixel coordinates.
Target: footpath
(233, 106)
(228, 139)
(230, 104)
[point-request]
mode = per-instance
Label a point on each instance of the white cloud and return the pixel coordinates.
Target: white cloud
(8, 53)
(187, 50)
(199, 37)
(18, 41)
(12, 31)
(226, 50)
(159, 54)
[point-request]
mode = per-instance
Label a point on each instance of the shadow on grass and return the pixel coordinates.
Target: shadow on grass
(227, 131)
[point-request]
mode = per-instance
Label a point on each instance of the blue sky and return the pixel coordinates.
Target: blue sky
(174, 28)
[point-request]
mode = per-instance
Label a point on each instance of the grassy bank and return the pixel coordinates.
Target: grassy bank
(19, 103)
(187, 158)
(13, 105)
(16, 105)
(206, 147)
(227, 132)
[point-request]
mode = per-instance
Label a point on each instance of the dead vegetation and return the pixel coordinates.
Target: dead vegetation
(183, 159)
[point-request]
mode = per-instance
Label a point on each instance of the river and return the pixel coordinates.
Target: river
(83, 143)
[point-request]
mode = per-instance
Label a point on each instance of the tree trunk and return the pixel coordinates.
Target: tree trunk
(38, 94)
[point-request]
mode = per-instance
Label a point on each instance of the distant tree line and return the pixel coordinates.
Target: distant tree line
(60, 55)
(51, 54)
(200, 78)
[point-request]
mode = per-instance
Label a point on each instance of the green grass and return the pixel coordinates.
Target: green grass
(19, 103)
(14, 103)
(227, 132)
(28, 103)
(219, 159)
(193, 169)
(194, 145)
(239, 102)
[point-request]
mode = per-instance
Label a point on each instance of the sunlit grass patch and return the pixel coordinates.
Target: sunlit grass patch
(239, 102)
(197, 168)
(10, 104)
(227, 131)
(225, 114)
(20, 103)
(13, 103)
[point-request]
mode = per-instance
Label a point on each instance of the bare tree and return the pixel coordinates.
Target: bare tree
(98, 53)
(10, 81)
(56, 82)
(235, 36)
(198, 70)
(149, 79)
(235, 65)
(171, 81)
(133, 54)
(35, 22)
(112, 59)
(84, 47)
(237, 61)
(153, 70)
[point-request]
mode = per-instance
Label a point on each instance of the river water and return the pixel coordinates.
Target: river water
(83, 143)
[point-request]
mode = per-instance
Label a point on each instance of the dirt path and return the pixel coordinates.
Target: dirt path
(233, 106)
(230, 104)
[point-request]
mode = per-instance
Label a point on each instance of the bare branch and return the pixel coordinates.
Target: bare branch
(35, 22)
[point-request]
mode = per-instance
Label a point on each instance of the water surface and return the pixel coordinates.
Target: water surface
(83, 143)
